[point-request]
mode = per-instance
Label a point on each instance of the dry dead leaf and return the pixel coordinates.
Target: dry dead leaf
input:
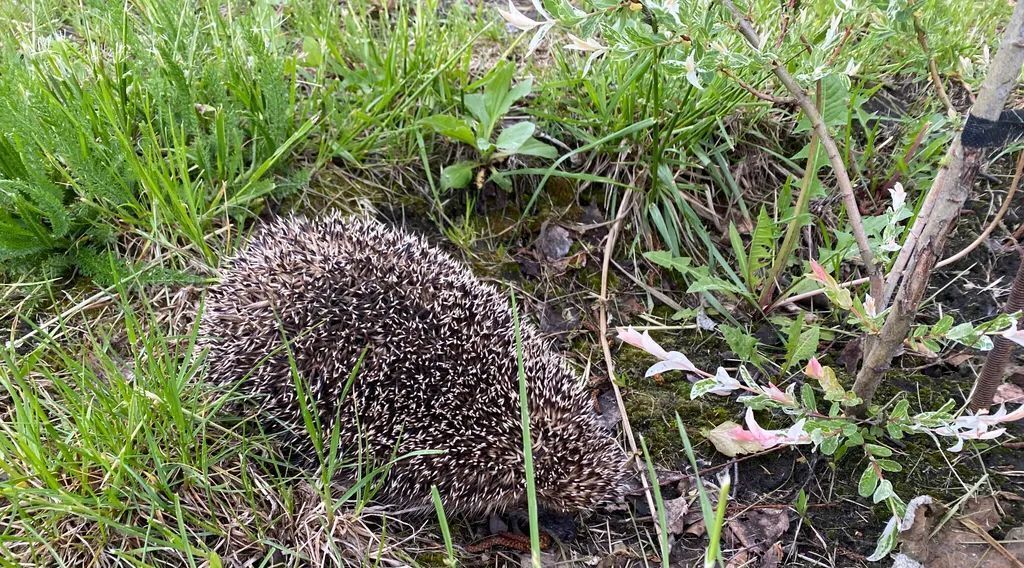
(675, 512)
(739, 560)
(772, 557)
(956, 545)
(755, 528)
(554, 242)
(1008, 393)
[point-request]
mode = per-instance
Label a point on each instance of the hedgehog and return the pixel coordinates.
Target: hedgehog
(412, 359)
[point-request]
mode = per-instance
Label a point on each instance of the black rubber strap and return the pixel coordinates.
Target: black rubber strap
(984, 133)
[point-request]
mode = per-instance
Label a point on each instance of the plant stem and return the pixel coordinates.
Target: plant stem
(627, 430)
(933, 69)
(793, 229)
(524, 415)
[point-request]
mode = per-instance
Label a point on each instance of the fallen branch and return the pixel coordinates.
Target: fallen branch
(909, 279)
(746, 28)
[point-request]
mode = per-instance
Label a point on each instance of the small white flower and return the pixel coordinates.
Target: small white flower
(591, 45)
(869, 306)
(691, 72)
(517, 19)
(1013, 334)
(899, 196)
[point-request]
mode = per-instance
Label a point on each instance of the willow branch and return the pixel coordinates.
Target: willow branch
(746, 28)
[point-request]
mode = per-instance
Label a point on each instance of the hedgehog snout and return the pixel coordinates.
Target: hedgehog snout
(577, 469)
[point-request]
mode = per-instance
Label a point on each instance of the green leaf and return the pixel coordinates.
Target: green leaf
(899, 412)
(886, 542)
(313, 53)
(457, 176)
(740, 252)
(701, 388)
(519, 91)
(665, 259)
(801, 502)
(501, 180)
(829, 445)
(452, 127)
(942, 326)
(889, 465)
(868, 482)
(515, 136)
(740, 342)
(477, 107)
(807, 397)
(762, 247)
(802, 347)
(960, 332)
(883, 492)
(534, 147)
(835, 110)
(878, 451)
(895, 431)
(834, 391)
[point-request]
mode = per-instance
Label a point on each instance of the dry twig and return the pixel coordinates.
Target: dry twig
(602, 302)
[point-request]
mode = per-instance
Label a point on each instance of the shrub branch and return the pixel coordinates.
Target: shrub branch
(908, 280)
(746, 28)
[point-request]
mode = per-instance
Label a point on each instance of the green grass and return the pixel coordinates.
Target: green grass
(140, 140)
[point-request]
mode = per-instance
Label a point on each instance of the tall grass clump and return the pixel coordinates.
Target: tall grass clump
(114, 449)
(153, 120)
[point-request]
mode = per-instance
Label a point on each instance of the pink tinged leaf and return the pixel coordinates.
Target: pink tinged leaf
(726, 383)
(643, 341)
(767, 438)
(814, 369)
(738, 434)
(818, 274)
(983, 434)
(676, 362)
(724, 438)
(1015, 415)
(775, 393)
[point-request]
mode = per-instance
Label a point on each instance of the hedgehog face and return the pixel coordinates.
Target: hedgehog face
(576, 465)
